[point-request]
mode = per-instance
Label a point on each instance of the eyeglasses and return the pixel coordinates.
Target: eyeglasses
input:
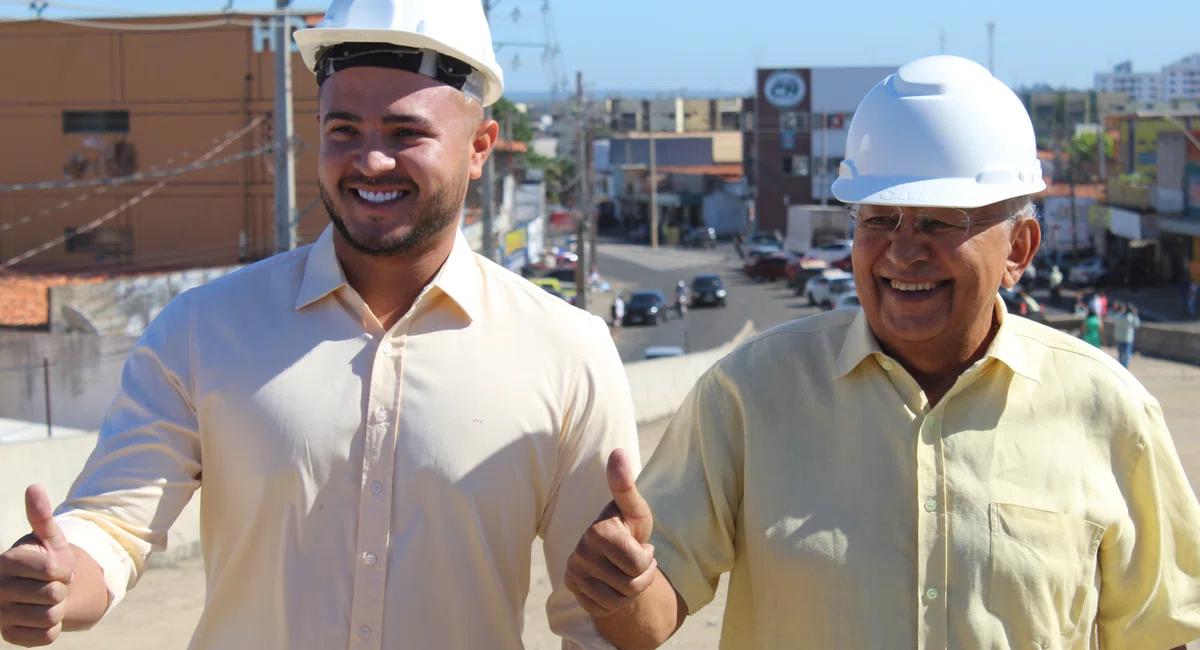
(940, 223)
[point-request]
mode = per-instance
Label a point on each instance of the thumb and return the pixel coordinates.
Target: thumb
(41, 519)
(635, 512)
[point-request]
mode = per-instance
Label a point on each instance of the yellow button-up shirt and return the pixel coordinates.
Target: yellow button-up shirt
(363, 488)
(1039, 504)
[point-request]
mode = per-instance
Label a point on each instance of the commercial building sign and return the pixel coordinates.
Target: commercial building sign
(785, 89)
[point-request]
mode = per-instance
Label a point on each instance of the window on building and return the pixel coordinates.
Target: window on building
(731, 121)
(795, 165)
(95, 122)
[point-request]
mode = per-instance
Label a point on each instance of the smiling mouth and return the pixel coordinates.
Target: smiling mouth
(379, 198)
(916, 286)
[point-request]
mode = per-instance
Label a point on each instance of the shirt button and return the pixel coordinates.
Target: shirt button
(376, 487)
(931, 505)
(371, 559)
(386, 348)
(887, 365)
(380, 415)
(931, 594)
(364, 632)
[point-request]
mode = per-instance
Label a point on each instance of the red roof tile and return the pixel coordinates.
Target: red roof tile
(24, 296)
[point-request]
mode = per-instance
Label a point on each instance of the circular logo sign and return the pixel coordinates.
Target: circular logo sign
(784, 89)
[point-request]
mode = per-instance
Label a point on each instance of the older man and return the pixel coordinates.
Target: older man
(927, 471)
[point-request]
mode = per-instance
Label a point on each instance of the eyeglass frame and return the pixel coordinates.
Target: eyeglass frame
(922, 219)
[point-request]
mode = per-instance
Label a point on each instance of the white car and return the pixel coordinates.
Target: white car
(1088, 272)
(834, 251)
(845, 301)
(825, 288)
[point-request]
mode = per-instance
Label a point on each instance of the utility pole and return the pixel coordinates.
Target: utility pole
(824, 158)
(653, 189)
(285, 167)
(583, 263)
(991, 27)
(488, 179)
(942, 42)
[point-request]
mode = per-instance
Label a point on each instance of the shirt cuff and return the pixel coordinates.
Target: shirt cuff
(114, 562)
(685, 577)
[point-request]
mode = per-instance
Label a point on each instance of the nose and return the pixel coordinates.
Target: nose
(374, 159)
(906, 248)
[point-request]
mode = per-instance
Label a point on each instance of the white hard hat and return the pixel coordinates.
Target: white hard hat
(940, 132)
(450, 28)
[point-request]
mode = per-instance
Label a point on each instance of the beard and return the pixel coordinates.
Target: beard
(435, 213)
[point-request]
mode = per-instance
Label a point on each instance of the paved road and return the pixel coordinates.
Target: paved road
(637, 267)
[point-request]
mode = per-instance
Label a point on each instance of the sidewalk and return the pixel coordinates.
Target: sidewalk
(1156, 304)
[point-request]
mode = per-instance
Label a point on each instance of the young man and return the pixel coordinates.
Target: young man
(382, 422)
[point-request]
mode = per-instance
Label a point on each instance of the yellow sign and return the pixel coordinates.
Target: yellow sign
(515, 240)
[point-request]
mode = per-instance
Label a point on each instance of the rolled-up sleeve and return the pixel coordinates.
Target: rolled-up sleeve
(693, 484)
(146, 464)
(1150, 562)
(598, 418)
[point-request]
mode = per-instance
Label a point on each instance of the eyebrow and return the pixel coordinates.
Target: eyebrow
(415, 120)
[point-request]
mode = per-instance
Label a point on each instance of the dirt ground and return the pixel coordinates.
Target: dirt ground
(162, 611)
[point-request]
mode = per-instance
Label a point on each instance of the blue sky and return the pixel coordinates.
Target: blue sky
(715, 45)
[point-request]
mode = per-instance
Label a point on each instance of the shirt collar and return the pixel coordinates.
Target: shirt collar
(1006, 347)
(459, 278)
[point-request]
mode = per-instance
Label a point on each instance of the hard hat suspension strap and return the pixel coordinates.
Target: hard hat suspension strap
(446, 69)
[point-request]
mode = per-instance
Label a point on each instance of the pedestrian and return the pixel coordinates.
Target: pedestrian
(926, 471)
(737, 245)
(1081, 306)
(618, 314)
(1055, 281)
(1125, 324)
(383, 421)
(1193, 290)
(1091, 330)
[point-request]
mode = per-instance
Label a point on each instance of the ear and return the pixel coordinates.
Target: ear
(481, 145)
(1024, 241)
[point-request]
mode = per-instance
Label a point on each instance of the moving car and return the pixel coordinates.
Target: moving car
(825, 288)
(663, 351)
(646, 306)
(565, 290)
(700, 238)
(845, 301)
(708, 289)
(800, 269)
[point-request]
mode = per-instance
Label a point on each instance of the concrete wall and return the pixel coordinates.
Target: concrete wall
(1170, 342)
(659, 386)
(125, 306)
(84, 372)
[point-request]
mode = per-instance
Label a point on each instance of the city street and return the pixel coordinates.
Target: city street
(631, 267)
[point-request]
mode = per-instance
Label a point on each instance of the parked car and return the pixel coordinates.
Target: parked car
(562, 274)
(1024, 305)
(769, 267)
(846, 301)
(836, 253)
(646, 306)
(758, 252)
(1088, 272)
(565, 290)
(663, 351)
(700, 238)
(800, 268)
(824, 288)
(708, 289)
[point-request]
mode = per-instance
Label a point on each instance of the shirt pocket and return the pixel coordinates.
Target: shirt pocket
(1043, 568)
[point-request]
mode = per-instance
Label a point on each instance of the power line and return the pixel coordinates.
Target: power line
(9, 225)
(95, 223)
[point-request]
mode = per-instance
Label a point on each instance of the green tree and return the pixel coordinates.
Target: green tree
(1084, 155)
(559, 174)
(506, 113)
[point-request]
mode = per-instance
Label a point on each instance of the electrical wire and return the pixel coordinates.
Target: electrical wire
(30, 218)
(95, 223)
(138, 27)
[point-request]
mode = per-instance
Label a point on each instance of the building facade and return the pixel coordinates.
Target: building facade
(797, 131)
(1178, 80)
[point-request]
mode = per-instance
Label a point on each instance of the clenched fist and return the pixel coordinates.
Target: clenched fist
(35, 575)
(613, 563)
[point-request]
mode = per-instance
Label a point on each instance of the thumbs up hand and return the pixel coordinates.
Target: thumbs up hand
(613, 563)
(35, 575)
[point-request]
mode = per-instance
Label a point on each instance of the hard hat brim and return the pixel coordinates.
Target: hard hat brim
(964, 193)
(313, 40)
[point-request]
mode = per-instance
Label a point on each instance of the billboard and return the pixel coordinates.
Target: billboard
(1057, 232)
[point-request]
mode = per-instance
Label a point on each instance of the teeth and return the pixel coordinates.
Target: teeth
(379, 197)
(921, 286)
